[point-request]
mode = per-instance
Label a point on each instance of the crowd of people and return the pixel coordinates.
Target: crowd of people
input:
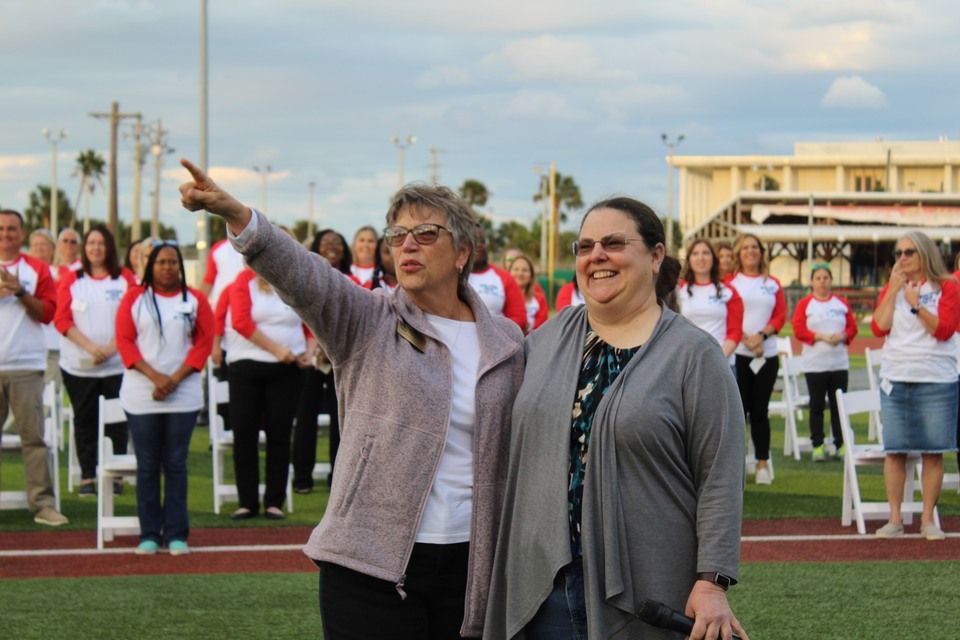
(501, 528)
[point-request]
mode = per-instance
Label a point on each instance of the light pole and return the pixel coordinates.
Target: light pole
(54, 141)
(670, 146)
(544, 215)
(263, 177)
(402, 144)
(158, 149)
(203, 231)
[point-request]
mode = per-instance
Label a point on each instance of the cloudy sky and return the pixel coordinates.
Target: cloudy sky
(317, 88)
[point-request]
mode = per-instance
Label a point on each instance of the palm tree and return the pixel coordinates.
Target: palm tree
(567, 195)
(89, 167)
(474, 193)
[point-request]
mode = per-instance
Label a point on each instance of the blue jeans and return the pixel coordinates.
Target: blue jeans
(563, 614)
(161, 442)
(919, 416)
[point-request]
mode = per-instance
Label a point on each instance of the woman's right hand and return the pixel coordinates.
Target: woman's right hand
(164, 385)
(897, 279)
(203, 193)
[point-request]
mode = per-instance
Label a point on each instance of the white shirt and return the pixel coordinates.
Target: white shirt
(763, 304)
(827, 317)
(90, 304)
(224, 264)
(701, 305)
(22, 343)
(446, 517)
(266, 312)
(363, 274)
(910, 353)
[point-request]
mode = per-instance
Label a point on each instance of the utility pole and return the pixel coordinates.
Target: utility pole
(54, 196)
(544, 220)
(310, 223)
(552, 249)
(402, 144)
(138, 159)
(435, 165)
(203, 231)
(115, 116)
(159, 148)
(670, 146)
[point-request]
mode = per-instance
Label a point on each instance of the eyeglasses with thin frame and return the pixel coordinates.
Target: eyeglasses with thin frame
(426, 233)
(904, 252)
(611, 244)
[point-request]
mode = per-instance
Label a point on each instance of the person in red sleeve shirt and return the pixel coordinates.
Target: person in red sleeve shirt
(917, 312)
(27, 301)
(266, 362)
(824, 323)
(496, 287)
(68, 252)
(87, 304)
(164, 335)
(764, 314)
(523, 273)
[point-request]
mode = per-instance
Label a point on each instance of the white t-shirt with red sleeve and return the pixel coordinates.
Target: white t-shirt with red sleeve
(813, 316)
(363, 274)
(910, 353)
(537, 311)
(22, 343)
(50, 333)
(720, 315)
(763, 304)
(252, 308)
(224, 264)
(187, 338)
(501, 294)
(90, 304)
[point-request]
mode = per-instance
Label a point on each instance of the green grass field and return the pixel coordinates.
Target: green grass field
(774, 601)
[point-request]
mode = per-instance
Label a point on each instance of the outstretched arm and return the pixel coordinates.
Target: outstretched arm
(203, 193)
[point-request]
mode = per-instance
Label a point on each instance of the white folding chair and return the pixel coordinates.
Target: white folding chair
(221, 443)
(785, 346)
(794, 402)
(322, 469)
(12, 442)
(857, 455)
(109, 467)
(873, 357)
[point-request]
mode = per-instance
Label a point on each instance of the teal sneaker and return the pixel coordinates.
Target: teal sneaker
(178, 548)
(819, 455)
(147, 548)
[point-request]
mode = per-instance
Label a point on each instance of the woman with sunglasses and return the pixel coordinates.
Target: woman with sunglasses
(757, 364)
(917, 312)
(707, 302)
(319, 391)
(87, 304)
(622, 485)
(164, 334)
(824, 323)
(426, 379)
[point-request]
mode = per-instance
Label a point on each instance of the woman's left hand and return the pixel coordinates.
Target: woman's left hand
(709, 608)
(164, 386)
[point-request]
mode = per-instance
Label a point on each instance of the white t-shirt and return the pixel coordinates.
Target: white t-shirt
(828, 317)
(90, 304)
(22, 343)
(252, 308)
(446, 518)
(224, 264)
(713, 313)
(363, 274)
(763, 304)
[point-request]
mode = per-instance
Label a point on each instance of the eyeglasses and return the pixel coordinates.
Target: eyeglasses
(69, 241)
(422, 234)
(164, 243)
(820, 265)
(904, 252)
(611, 244)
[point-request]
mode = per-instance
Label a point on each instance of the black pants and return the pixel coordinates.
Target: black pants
(755, 392)
(355, 606)
(820, 384)
(319, 395)
(262, 394)
(85, 398)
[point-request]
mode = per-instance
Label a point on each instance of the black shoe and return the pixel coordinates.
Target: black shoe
(118, 487)
(274, 514)
(88, 490)
(303, 490)
(242, 514)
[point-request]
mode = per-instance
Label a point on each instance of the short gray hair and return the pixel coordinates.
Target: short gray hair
(419, 196)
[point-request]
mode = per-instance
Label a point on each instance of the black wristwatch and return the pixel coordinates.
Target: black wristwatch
(22, 292)
(722, 581)
(915, 310)
(764, 335)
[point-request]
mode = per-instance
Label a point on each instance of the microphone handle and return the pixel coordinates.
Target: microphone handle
(660, 615)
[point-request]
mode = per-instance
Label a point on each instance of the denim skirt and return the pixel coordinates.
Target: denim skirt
(919, 416)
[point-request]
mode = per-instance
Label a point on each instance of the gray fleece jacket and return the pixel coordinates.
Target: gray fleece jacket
(394, 386)
(663, 491)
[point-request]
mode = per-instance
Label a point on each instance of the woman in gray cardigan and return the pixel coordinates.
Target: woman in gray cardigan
(426, 378)
(636, 493)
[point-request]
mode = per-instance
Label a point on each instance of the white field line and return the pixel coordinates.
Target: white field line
(869, 537)
(131, 550)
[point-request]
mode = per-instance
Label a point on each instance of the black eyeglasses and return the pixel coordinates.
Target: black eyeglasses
(422, 234)
(904, 252)
(611, 244)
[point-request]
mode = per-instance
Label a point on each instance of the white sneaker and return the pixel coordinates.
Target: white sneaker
(932, 532)
(890, 530)
(763, 476)
(50, 517)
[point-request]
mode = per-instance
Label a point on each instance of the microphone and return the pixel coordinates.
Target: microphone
(660, 615)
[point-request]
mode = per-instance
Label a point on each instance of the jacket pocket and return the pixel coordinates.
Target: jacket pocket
(356, 477)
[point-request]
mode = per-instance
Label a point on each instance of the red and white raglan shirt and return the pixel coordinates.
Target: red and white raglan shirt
(719, 314)
(830, 316)
(221, 320)
(224, 264)
(66, 269)
(910, 354)
(186, 338)
(90, 304)
(251, 308)
(50, 333)
(363, 274)
(537, 310)
(569, 296)
(763, 304)
(956, 336)
(501, 294)
(22, 344)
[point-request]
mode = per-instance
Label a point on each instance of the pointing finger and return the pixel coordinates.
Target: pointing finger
(196, 172)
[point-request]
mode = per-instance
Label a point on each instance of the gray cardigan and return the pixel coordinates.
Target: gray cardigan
(663, 492)
(394, 386)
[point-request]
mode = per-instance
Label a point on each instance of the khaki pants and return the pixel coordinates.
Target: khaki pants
(21, 392)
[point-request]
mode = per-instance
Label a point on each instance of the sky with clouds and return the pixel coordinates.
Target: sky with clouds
(317, 89)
